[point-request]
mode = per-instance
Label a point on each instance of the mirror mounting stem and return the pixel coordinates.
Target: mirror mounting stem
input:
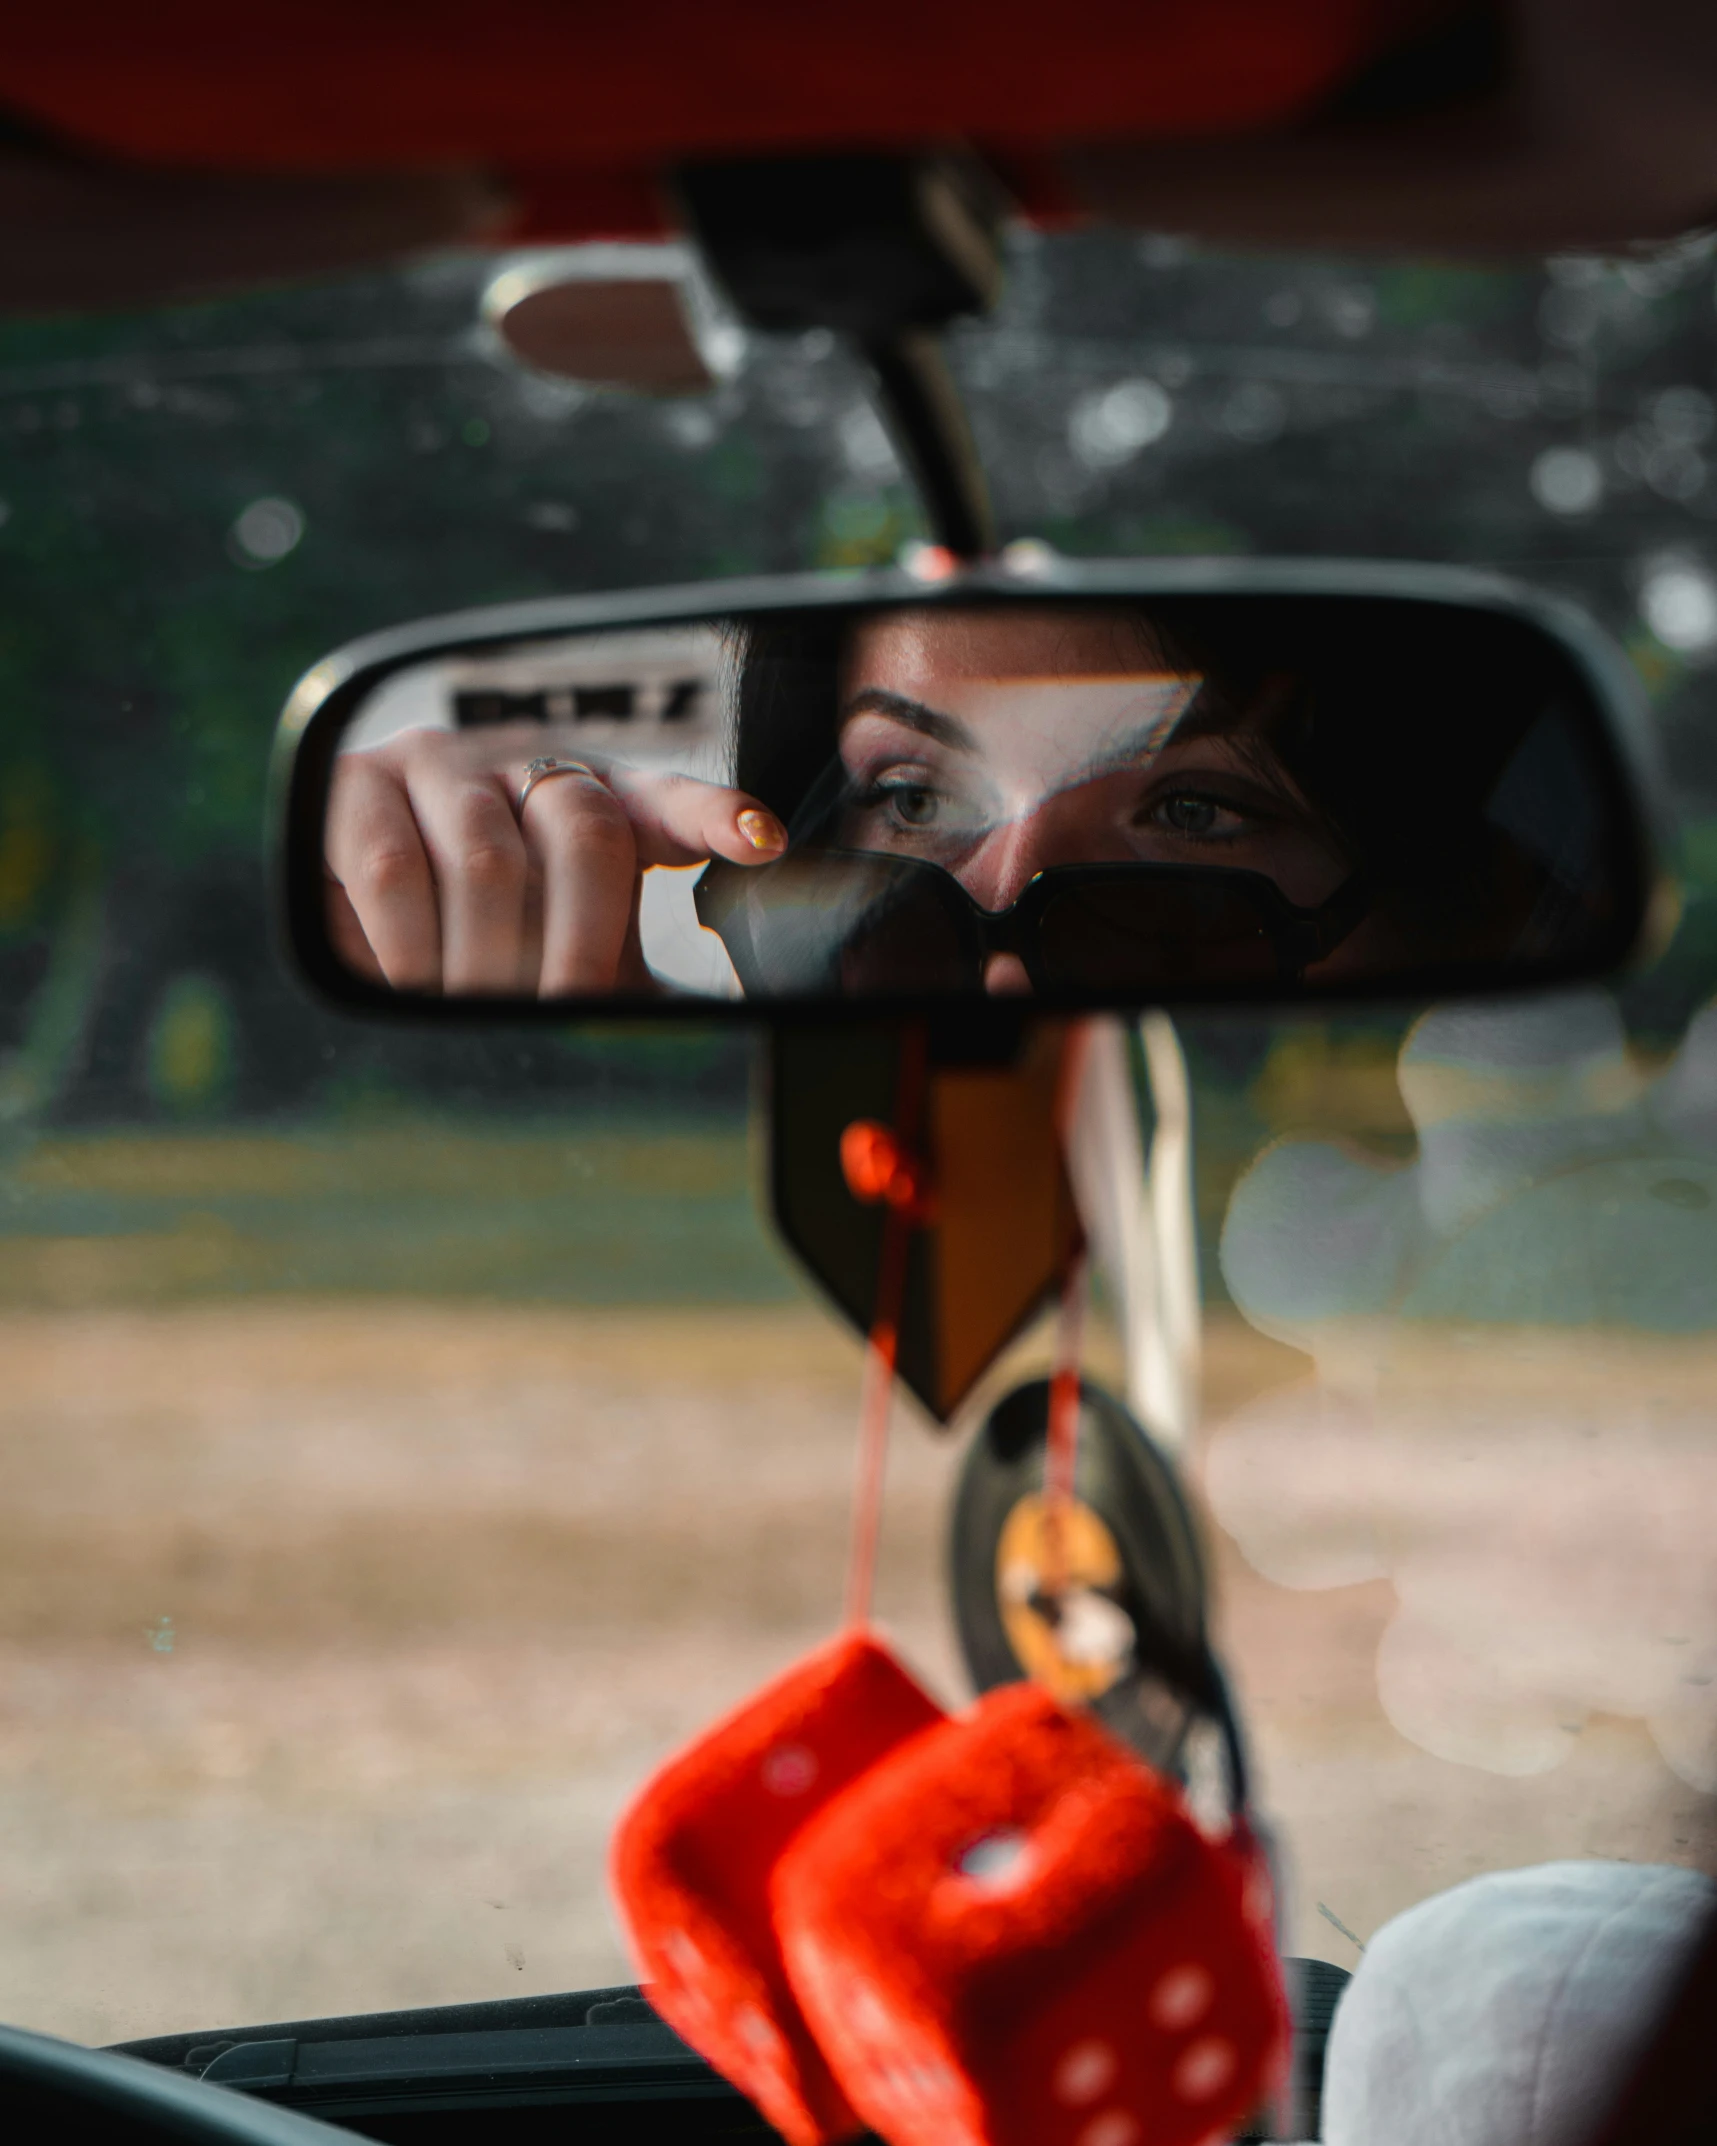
(885, 250)
(923, 410)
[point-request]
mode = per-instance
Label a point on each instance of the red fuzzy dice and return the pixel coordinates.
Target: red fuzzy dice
(1011, 1933)
(693, 1857)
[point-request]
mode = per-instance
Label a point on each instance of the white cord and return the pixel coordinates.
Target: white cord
(1138, 1214)
(1171, 1358)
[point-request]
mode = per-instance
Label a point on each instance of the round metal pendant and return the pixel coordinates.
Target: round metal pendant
(1124, 1630)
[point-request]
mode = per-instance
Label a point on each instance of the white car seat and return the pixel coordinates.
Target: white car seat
(1506, 2011)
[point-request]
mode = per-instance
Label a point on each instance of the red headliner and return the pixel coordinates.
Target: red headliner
(604, 98)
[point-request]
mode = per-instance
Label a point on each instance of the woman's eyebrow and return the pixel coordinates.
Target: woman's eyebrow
(944, 730)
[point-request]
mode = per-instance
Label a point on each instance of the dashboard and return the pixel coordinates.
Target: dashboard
(518, 2067)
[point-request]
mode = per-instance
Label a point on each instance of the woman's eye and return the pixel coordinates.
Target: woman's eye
(1190, 813)
(913, 804)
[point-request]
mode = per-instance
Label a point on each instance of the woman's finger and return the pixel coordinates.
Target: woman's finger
(676, 819)
(452, 884)
(478, 856)
(375, 850)
(346, 935)
(581, 836)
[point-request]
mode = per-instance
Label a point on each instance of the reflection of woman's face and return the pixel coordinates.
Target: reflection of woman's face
(998, 744)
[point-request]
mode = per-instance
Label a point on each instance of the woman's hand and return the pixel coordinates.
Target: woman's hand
(438, 881)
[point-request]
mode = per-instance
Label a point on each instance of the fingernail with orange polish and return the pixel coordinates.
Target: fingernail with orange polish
(762, 830)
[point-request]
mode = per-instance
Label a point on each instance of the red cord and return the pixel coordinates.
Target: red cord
(1061, 1454)
(880, 1164)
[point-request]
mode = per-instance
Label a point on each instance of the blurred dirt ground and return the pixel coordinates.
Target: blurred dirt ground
(332, 1638)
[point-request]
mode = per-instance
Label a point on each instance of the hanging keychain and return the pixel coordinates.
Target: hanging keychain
(1002, 1929)
(1124, 1629)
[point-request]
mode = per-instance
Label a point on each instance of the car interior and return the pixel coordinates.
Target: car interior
(598, 607)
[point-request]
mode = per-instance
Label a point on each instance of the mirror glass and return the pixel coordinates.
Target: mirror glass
(1090, 801)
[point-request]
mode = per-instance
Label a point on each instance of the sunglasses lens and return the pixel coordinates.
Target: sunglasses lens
(849, 924)
(833, 923)
(1157, 931)
(911, 944)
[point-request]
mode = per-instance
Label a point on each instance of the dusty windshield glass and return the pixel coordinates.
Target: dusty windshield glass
(408, 1439)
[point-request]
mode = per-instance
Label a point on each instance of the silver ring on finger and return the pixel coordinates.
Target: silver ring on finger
(541, 770)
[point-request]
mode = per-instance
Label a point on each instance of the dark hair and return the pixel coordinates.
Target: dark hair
(787, 711)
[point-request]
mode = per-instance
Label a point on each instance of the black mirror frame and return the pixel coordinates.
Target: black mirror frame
(321, 704)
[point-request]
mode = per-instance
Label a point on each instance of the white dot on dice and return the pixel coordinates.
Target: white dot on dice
(1205, 2069)
(1181, 1996)
(1085, 2074)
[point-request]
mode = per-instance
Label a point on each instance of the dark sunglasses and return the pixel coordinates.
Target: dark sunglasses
(858, 923)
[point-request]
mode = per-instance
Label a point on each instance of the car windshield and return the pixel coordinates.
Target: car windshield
(408, 1438)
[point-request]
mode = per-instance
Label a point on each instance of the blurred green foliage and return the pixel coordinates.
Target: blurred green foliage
(197, 504)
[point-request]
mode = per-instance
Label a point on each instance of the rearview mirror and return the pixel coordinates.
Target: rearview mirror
(1095, 786)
